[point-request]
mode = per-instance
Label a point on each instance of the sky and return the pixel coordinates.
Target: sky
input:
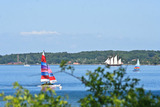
(29, 26)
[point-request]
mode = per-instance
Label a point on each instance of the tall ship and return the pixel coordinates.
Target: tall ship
(113, 61)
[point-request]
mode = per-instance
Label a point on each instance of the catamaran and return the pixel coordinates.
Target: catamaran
(47, 77)
(137, 66)
(113, 61)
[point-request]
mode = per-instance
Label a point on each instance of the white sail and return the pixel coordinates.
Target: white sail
(119, 61)
(111, 60)
(138, 63)
(43, 53)
(115, 60)
(107, 61)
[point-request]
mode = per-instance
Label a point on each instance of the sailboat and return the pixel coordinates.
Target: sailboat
(113, 61)
(137, 66)
(26, 65)
(47, 77)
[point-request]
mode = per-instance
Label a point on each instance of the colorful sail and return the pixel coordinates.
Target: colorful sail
(44, 69)
(137, 66)
(46, 72)
(52, 79)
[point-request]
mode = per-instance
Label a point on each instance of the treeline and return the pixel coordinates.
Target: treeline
(146, 57)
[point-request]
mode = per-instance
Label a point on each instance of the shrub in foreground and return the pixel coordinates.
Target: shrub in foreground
(114, 89)
(23, 98)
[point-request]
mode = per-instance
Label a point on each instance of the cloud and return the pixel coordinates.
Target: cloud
(39, 33)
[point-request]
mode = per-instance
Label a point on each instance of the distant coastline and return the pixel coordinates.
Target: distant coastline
(146, 57)
(54, 64)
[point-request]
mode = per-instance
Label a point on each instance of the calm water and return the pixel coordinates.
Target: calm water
(29, 77)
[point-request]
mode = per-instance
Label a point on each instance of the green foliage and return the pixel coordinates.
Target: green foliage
(156, 59)
(115, 89)
(22, 98)
(64, 67)
(88, 57)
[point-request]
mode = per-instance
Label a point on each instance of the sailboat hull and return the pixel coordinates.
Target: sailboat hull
(114, 64)
(51, 86)
(136, 70)
(27, 65)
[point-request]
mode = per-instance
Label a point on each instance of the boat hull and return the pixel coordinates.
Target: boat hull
(51, 86)
(114, 64)
(136, 70)
(27, 65)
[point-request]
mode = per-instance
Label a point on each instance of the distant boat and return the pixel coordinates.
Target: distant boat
(26, 65)
(137, 66)
(113, 61)
(47, 77)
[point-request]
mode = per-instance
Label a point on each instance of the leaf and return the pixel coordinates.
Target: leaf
(9, 97)
(15, 85)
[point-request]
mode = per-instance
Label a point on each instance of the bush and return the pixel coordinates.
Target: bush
(22, 98)
(114, 89)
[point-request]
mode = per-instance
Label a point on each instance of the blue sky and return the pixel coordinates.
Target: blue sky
(78, 25)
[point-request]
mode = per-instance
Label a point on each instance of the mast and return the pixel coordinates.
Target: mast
(26, 60)
(17, 57)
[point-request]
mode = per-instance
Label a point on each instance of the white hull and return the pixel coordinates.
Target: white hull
(27, 65)
(51, 86)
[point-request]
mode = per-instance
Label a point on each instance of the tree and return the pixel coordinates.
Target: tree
(115, 89)
(23, 98)
(155, 60)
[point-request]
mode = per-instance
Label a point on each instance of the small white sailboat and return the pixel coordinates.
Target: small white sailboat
(113, 61)
(26, 65)
(47, 77)
(137, 66)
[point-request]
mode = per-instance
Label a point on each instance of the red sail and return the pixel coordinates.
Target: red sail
(52, 79)
(46, 72)
(44, 69)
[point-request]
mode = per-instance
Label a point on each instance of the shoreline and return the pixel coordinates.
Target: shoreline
(73, 64)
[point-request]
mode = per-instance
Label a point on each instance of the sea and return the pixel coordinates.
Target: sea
(29, 78)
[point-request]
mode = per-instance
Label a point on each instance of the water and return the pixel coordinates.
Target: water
(29, 77)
